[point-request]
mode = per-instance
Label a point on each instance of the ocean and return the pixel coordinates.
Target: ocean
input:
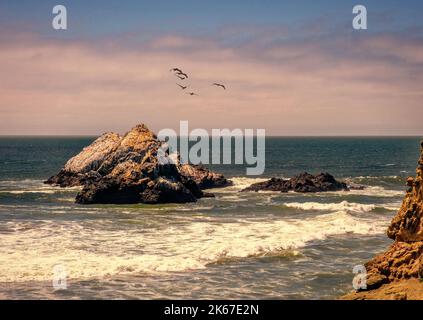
(235, 246)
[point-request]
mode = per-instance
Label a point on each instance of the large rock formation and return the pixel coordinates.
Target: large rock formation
(303, 182)
(404, 258)
(115, 169)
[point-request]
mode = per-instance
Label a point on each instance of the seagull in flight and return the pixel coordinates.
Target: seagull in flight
(192, 94)
(219, 85)
(182, 87)
(179, 73)
(175, 70)
(182, 74)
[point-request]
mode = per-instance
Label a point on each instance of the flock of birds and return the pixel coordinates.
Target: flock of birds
(183, 76)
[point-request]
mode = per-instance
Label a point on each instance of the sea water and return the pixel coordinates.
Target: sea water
(264, 245)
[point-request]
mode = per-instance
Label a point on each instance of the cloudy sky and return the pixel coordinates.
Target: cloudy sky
(291, 67)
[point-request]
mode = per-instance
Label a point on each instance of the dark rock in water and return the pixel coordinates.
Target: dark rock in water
(274, 184)
(108, 190)
(303, 182)
(115, 169)
(66, 179)
(322, 182)
(203, 177)
(164, 191)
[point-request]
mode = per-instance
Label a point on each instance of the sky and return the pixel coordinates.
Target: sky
(294, 68)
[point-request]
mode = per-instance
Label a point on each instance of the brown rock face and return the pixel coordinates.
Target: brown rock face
(115, 169)
(408, 224)
(87, 162)
(92, 156)
(401, 261)
(404, 258)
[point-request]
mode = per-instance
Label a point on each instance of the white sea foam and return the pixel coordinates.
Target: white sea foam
(32, 186)
(233, 198)
(395, 177)
(375, 191)
(239, 183)
(45, 190)
(343, 205)
(29, 191)
(21, 182)
(29, 251)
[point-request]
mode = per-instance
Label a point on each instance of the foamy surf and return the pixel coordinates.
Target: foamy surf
(97, 253)
(32, 186)
(340, 206)
(344, 205)
(375, 191)
(239, 183)
(29, 191)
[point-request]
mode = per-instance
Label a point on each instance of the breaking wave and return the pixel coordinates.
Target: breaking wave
(88, 252)
(344, 205)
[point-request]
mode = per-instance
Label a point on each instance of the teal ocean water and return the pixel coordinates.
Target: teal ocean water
(237, 245)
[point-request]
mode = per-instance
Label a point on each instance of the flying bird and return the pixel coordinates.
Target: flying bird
(182, 87)
(179, 73)
(175, 70)
(192, 94)
(219, 85)
(180, 76)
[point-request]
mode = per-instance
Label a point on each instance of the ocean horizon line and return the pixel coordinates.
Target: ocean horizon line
(267, 136)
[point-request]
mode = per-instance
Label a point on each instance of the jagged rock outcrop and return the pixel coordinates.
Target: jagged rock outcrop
(404, 258)
(274, 184)
(204, 178)
(408, 223)
(115, 169)
(303, 182)
(85, 164)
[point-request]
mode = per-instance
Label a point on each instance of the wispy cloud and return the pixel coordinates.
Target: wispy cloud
(332, 84)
